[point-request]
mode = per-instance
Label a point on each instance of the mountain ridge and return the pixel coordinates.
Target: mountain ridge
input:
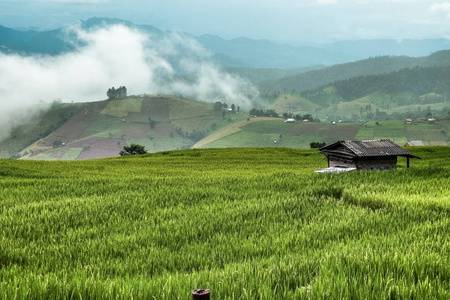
(238, 52)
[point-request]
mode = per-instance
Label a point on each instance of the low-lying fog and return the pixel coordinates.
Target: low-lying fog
(114, 56)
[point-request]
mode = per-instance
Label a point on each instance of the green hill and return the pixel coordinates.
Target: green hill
(371, 66)
(161, 123)
(418, 93)
(254, 223)
(277, 133)
(292, 103)
(101, 129)
(37, 126)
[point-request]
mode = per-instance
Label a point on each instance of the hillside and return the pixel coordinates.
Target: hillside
(101, 129)
(418, 93)
(161, 123)
(413, 92)
(371, 66)
(245, 223)
(277, 133)
(37, 125)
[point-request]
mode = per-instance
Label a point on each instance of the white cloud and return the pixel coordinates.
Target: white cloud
(443, 7)
(326, 2)
(114, 56)
(74, 1)
(62, 1)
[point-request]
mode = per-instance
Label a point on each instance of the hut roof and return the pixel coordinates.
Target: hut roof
(366, 148)
(415, 143)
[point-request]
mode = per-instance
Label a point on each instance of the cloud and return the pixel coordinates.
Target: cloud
(114, 56)
(326, 2)
(443, 7)
(73, 1)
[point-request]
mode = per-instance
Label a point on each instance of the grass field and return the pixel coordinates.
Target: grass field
(287, 103)
(247, 223)
(261, 132)
(264, 133)
(121, 107)
(191, 115)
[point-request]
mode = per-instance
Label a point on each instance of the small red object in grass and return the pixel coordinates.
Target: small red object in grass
(200, 295)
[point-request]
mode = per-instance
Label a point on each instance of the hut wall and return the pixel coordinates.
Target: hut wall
(334, 161)
(377, 163)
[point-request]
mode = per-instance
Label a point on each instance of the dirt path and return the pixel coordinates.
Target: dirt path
(229, 130)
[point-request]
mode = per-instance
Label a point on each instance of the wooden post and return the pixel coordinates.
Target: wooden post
(407, 162)
(200, 295)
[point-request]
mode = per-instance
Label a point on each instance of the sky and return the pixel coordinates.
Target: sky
(286, 21)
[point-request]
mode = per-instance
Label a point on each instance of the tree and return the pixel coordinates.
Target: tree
(317, 144)
(218, 106)
(152, 122)
(113, 93)
(57, 143)
(308, 117)
(133, 149)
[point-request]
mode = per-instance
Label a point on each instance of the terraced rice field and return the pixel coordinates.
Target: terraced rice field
(246, 223)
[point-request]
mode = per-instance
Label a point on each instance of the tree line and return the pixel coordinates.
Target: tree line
(419, 81)
(114, 93)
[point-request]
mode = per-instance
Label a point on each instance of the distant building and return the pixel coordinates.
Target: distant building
(414, 143)
(432, 120)
(409, 121)
(365, 155)
(290, 120)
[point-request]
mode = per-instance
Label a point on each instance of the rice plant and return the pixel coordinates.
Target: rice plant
(245, 223)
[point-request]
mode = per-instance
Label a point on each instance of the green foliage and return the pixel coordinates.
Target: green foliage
(419, 81)
(57, 143)
(261, 113)
(245, 223)
(317, 144)
(371, 66)
(133, 149)
(114, 93)
(218, 106)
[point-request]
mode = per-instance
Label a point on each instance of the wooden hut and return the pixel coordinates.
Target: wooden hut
(414, 143)
(365, 155)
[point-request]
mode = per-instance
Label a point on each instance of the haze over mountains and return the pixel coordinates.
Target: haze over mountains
(240, 52)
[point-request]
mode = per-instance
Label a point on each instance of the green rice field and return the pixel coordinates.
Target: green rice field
(246, 223)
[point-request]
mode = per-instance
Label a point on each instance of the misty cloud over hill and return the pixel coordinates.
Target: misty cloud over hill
(113, 55)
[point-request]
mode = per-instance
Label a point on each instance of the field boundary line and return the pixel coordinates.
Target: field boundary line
(229, 130)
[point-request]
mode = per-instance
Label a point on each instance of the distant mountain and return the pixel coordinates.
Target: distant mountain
(418, 93)
(240, 52)
(361, 49)
(261, 75)
(371, 66)
(34, 42)
(267, 54)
